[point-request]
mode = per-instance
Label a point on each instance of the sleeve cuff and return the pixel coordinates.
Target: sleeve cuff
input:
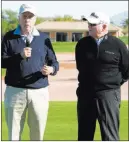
(54, 71)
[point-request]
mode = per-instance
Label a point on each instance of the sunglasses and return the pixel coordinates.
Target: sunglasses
(92, 25)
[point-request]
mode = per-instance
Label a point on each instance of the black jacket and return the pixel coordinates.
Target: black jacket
(102, 67)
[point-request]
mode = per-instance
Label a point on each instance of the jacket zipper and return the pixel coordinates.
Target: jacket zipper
(98, 46)
(97, 51)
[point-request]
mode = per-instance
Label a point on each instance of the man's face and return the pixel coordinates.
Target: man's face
(27, 21)
(95, 30)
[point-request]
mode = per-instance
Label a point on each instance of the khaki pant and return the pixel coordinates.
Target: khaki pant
(17, 101)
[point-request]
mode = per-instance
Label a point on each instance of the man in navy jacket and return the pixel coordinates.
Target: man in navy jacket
(29, 58)
(103, 64)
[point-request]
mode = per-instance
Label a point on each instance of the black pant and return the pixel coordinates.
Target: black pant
(104, 106)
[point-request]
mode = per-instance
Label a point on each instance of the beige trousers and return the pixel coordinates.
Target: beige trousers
(17, 101)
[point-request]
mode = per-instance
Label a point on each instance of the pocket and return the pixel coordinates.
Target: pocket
(14, 97)
(109, 57)
(117, 93)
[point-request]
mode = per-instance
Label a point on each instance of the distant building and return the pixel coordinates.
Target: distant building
(69, 31)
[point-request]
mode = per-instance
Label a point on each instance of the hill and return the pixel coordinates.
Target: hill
(119, 18)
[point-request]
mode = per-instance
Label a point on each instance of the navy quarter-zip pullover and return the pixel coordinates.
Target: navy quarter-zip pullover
(22, 73)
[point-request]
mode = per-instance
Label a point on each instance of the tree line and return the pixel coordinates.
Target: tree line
(10, 20)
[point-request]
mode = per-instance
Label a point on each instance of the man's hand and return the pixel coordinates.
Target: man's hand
(26, 52)
(46, 70)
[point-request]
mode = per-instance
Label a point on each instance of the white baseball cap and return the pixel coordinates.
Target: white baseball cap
(27, 7)
(97, 18)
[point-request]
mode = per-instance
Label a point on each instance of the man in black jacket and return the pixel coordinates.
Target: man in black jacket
(102, 61)
(29, 59)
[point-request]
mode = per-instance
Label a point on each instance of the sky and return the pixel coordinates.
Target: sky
(76, 9)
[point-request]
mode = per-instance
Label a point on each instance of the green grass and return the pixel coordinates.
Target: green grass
(62, 123)
(124, 39)
(3, 71)
(64, 47)
(60, 47)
